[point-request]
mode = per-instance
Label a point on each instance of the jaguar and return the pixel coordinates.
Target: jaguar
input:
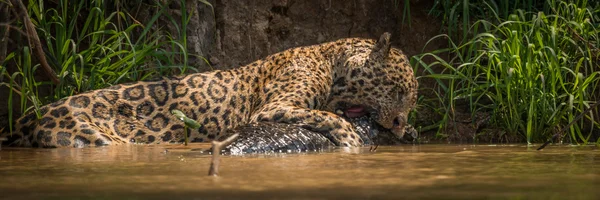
(312, 87)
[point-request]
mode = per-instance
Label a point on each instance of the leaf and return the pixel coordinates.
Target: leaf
(187, 121)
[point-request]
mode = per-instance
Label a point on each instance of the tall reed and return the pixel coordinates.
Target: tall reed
(533, 72)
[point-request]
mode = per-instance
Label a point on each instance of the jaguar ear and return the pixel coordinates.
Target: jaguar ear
(383, 44)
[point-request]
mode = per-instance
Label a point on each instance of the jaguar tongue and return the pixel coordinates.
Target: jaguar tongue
(355, 111)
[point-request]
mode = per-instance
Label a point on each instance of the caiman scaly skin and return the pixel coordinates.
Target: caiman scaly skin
(269, 137)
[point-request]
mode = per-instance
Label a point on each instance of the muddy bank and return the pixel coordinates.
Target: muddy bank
(240, 32)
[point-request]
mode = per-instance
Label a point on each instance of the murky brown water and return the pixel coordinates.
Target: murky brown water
(413, 172)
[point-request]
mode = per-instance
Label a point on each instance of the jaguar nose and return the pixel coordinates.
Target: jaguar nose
(396, 122)
(398, 126)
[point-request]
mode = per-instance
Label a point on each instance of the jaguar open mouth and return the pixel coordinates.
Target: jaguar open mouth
(355, 110)
(350, 110)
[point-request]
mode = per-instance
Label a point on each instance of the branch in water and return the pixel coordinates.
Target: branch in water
(557, 135)
(216, 152)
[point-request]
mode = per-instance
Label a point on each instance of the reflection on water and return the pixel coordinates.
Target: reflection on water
(408, 172)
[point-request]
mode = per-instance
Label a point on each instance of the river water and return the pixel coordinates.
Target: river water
(398, 172)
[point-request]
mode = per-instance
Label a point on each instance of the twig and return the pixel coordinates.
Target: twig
(216, 151)
(373, 148)
(589, 44)
(34, 41)
(559, 133)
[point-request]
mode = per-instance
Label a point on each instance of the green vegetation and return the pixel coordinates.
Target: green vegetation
(105, 46)
(533, 69)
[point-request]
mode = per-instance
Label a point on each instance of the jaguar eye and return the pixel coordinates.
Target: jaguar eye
(399, 94)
